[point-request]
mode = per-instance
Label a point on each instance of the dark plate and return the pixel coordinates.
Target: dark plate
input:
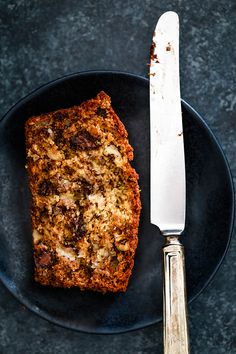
(209, 209)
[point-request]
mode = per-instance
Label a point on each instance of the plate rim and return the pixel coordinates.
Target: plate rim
(11, 287)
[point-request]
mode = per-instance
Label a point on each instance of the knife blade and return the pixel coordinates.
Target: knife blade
(168, 185)
(167, 148)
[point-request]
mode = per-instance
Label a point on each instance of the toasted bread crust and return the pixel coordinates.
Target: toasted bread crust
(85, 197)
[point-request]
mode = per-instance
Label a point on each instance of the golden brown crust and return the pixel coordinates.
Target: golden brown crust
(85, 197)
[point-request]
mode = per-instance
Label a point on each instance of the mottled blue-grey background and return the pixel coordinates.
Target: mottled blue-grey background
(45, 39)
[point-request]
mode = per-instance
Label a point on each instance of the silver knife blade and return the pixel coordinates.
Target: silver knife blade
(168, 186)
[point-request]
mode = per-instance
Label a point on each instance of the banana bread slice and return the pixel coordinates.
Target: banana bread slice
(85, 197)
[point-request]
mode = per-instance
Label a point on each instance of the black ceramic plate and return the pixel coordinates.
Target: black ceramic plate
(209, 209)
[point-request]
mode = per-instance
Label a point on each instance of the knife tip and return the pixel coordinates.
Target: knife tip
(170, 15)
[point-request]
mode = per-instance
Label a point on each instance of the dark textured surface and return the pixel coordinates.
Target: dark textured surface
(43, 40)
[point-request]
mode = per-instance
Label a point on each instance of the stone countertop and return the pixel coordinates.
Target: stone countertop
(43, 40)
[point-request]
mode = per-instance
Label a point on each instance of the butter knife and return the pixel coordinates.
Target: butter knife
(168, 186)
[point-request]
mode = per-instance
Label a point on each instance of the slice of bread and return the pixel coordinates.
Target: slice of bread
(85, 197)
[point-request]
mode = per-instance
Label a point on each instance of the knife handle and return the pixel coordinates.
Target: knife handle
(176, 340)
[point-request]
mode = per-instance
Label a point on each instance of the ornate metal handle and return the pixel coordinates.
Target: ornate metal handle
(176, 339)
